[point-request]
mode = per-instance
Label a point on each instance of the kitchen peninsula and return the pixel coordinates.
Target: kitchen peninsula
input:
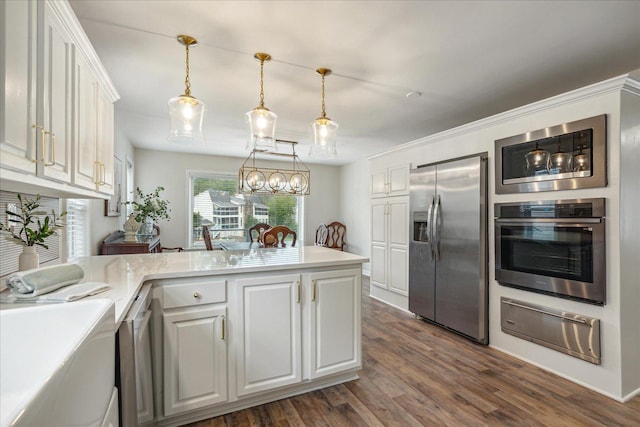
(233, 329)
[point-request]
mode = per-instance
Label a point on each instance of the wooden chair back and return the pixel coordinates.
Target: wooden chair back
(321, 235)
(206, 235)
(336, 236)
(258, 228)
(275, 236)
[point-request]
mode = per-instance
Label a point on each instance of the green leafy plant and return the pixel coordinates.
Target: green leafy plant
(150, 205)
(34, 225)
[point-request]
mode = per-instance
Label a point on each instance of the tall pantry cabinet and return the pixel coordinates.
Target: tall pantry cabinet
(51, 131)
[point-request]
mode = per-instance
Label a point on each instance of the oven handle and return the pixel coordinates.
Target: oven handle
(575, 222)
(571, 319)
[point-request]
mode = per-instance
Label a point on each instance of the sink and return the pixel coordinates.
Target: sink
(57, 363)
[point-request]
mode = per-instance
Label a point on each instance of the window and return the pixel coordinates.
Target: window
(215, 203)
(76, 229)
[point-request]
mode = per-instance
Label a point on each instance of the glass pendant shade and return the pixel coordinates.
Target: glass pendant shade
(185, 111)
(262, 125)
(325, 133)
(537, 162)
(324, 130)
(560, 161)
(262, 122)
(187, 116)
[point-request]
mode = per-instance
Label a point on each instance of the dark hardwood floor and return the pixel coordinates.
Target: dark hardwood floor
(417, 374)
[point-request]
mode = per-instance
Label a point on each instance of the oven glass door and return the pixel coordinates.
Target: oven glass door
(564, 251)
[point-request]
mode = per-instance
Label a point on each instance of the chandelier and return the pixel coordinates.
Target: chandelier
(265, 180)
(324, 129)
(262, 122)
(185, 111)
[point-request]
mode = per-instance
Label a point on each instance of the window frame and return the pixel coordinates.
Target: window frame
(193, 174)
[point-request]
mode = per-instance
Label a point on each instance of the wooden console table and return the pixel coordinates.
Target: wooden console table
(114, 244)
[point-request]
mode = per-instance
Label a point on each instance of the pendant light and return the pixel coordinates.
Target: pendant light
(324, 129)
(185, 111)
(262, 122)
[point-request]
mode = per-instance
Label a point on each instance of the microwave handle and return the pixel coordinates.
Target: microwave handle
(436, 229)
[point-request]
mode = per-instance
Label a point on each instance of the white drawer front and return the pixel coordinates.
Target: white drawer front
(190, 294)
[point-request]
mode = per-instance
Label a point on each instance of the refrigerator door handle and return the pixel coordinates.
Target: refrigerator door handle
(430, 229)
(436, 228)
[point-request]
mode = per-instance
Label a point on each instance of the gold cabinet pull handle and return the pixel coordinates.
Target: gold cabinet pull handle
(313, 282)
(299, 297)
(102, 175)
(196, 295)
(223, 326)
(41, 130)
(53, 149)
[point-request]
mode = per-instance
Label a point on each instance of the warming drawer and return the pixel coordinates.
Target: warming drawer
(570, 333)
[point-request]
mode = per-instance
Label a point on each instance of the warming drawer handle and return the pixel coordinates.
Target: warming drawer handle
(578, 222)
(584, 322)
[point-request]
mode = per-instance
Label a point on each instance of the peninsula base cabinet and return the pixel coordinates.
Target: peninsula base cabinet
(225, 344)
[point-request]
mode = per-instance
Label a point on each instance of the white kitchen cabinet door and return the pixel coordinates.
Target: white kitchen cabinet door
(86, 170)
(105, 142)
(390, 243)
(393, 181)
(57, 110)
(18, 73)
(334, 322)
(195, 358)
(268, 333)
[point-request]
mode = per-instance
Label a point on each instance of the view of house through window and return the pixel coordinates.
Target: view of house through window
(216, 204)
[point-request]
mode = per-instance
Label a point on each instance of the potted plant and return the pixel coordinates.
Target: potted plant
(149, 208)
(34, 226)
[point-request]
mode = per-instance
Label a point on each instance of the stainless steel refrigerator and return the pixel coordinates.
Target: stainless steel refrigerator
(448, 282)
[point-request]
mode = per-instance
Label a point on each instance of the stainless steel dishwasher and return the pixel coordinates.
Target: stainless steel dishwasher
(134, 379)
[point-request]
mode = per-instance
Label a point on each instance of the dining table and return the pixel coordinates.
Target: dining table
(233, 245)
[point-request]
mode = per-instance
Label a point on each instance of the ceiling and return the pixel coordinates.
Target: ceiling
(467, 59)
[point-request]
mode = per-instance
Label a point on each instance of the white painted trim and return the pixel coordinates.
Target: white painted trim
(611, 85)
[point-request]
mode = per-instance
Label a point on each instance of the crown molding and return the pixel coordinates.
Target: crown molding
(615, 84)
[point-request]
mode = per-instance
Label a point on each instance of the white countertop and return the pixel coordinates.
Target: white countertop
(126, 273)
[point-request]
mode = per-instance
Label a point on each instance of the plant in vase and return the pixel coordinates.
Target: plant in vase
(149, 208)
(33, 226)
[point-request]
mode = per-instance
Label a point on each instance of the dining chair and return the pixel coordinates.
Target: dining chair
(206, 236)
(275, 236)
(162, 248)
(336, 236)
(258, 228)
(321, 235)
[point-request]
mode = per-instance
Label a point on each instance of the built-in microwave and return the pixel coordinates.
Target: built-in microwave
(555, 247)
(563, 157)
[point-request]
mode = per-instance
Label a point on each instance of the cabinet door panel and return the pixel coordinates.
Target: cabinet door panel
(379, 266)
(86, 102)
(269, 353)
(195, 359)
(57, 108)
(335, 322)
(398, 223)
(398, 267)
(18, 75)
(399, 180)
(379, 223)
(378, 183)
(104, 143)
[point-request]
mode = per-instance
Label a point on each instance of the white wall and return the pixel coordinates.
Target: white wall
(169, 170)
(355, 208)
(101, 226)
(479, 137)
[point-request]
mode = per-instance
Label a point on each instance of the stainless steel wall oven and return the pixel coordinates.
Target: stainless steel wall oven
(555, 247)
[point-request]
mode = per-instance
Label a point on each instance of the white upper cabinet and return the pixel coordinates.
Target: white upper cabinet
(44, 130)
(393, 181)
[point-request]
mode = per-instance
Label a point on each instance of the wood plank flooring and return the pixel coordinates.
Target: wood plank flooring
(417, 374)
